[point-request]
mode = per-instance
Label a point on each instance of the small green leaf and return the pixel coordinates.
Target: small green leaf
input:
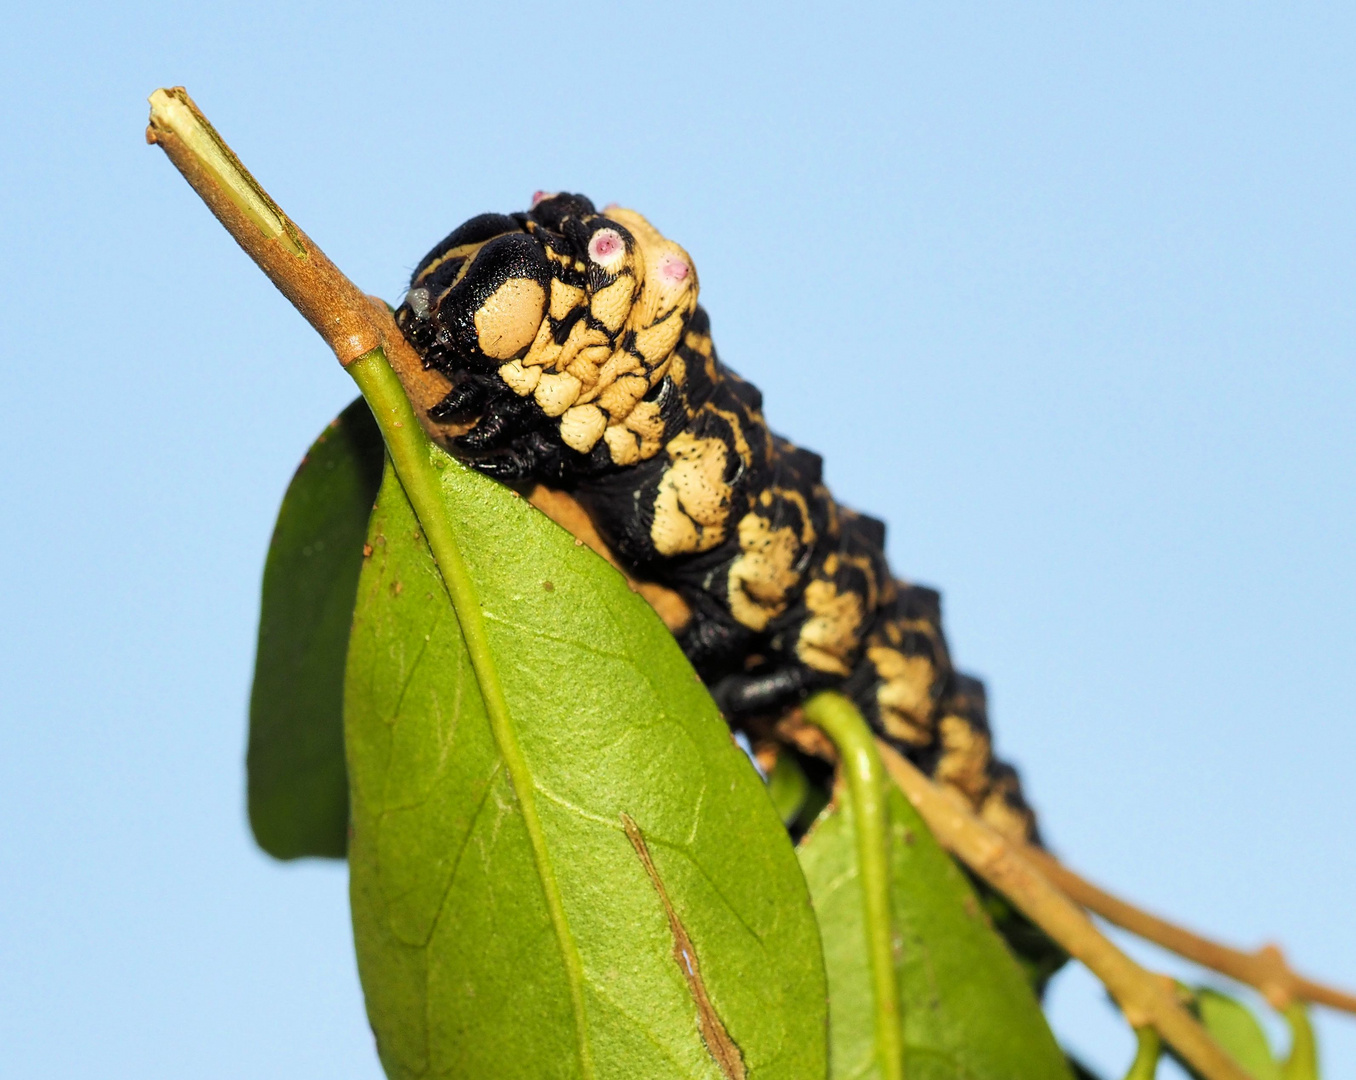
(297, 783)
(968, 1010)
(1234, 1027)
(1302, 1063)
(787, 787)
(507, 923)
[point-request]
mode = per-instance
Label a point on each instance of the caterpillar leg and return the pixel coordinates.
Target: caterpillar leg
(744, 695)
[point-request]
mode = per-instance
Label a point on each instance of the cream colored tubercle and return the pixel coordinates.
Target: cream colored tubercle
(595, 389)
(666, 297)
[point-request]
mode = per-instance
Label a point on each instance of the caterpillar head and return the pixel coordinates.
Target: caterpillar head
(556, 327)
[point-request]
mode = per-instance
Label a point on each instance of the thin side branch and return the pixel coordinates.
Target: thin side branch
(350, 322)
(1141, 995)
(1266, 969)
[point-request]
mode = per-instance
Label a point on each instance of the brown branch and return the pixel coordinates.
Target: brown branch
(1141, 995)
(351, 323)
(1266, 969)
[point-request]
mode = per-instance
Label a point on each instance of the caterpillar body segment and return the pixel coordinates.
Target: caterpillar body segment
(576, 348)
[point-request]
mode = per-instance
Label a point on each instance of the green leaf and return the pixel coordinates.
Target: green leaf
(297, 783)
(787, 787)
(1238, 1032)
(968, 1011)
(1302, 1062)
(1040, 956)
(590, 882)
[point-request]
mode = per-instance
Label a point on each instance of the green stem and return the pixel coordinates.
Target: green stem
(860, 764)
(1150, 1047)
(415, 461)
(1302, 1064)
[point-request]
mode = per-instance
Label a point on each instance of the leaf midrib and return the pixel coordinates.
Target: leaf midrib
(413, 456)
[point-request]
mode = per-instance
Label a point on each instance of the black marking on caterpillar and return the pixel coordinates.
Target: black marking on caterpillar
(574, 342)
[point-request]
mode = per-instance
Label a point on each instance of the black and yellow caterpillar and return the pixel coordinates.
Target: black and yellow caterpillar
(579, 359)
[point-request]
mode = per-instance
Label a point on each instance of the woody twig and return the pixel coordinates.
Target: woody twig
(1265, 970)
(350, 322)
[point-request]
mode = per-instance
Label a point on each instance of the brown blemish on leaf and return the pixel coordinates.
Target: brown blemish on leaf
(367, 551)
(548, 586)
(723, 1050)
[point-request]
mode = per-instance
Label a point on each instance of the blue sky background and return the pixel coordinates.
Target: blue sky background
(1063, 293)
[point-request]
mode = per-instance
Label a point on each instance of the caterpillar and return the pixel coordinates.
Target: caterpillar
(579, 359)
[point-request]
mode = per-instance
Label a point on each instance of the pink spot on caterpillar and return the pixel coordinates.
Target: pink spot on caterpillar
(540, 196)
(606, 246)
(673, 268)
